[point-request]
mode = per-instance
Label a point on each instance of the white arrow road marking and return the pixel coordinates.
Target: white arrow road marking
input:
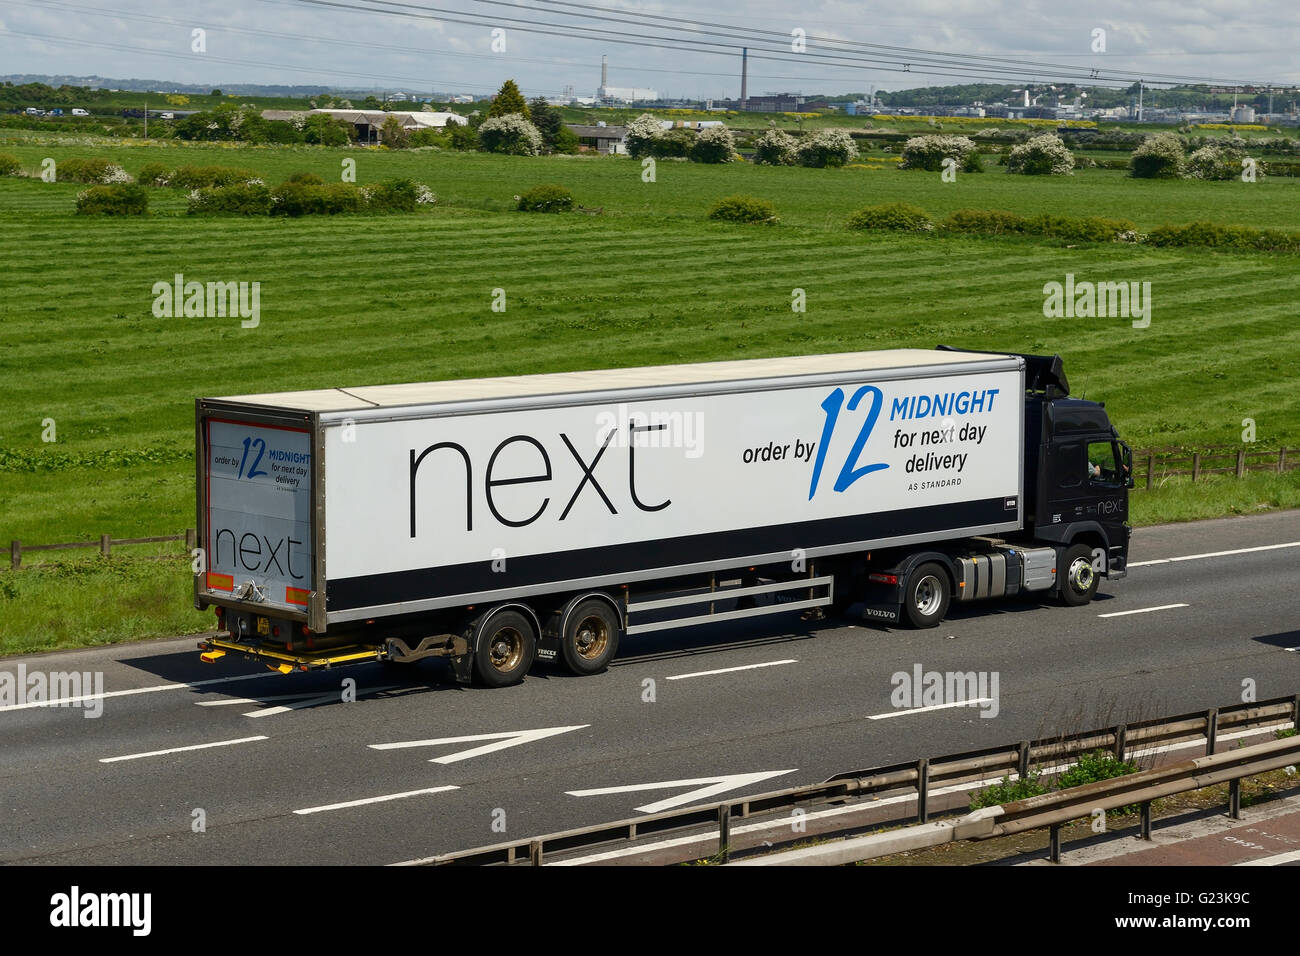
(383, 799)
(511, 738)
(706, 787)
(303, 700)
(176, 750)
(1142, 610)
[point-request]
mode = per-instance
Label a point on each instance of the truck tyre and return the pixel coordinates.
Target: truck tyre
(590, 638)
(1079, 581)
(505, 651)
(928, 594)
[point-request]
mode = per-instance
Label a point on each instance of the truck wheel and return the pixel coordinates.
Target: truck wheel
(928, 596)
(590, 638)
(506, 648)
(1080, 583)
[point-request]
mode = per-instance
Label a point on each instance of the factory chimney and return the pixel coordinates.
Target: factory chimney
(744, 76)
(604, 72)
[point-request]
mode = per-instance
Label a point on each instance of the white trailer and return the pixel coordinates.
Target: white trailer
(502, 520)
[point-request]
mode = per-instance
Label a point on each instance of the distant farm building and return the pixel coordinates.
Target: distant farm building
(604, 139)
(369, 124)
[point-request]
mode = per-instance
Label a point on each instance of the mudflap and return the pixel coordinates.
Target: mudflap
(882, 613)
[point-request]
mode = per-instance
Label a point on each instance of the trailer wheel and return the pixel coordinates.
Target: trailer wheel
(1080, 583)
(590, 638)
(928, 595)
(506, 647)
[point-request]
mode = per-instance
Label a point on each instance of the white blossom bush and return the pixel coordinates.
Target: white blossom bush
(641, 135)
(714, 144)
(1158, 157)
(1219, 161)
(929, 152)
(828, 147)
(424, 196)
(1045, 155)
(775, 148)
(510, 134)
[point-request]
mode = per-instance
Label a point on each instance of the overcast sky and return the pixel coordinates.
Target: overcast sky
(315, 43)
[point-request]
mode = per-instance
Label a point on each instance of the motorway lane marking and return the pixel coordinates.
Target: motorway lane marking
(63, 701)
(785, 822)
(511, 738)
(1291, 856)
(1142, 610)
(301, 700)
(383, 799)
(176, 750)
(1214, 554)
(730, 670)
(973, 702)
(702, 787)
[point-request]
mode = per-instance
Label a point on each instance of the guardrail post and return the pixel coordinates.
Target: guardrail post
(1196, 465)
(1234, 798)
(1121, 741)
(1295, 711)
(922, 790)
(1211, 730)
(1144, 832)
(105, 544)
(15, 555)
(191, 539)
(1022, 762)
(1241, 462)
(1054, 843)
(724, 832)
(535, 853)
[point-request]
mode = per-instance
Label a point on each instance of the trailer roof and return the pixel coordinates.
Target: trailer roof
(598, 380)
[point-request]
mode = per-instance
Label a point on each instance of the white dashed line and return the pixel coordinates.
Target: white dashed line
(177, 750)
(383, 799)
(973, 702)
(730, 670)
(1142, 610)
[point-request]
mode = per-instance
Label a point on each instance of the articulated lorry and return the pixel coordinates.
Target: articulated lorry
(501, 521)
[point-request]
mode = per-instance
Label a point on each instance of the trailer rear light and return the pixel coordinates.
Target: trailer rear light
(275, 630)
(221, 612)
(883, 578)
(305, 629)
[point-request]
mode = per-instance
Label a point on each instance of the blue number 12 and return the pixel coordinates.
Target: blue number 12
(831, 406)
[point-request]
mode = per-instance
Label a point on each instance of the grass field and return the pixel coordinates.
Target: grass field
(371, 299)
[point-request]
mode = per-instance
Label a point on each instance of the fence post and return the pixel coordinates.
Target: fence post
(105, 544)
(1241, 462)
(535, 853)
(1022, 764)
(1234, 798)
(1211, 730)
(15, 555)
(1281, 460)
(1144, 831)
(1196, 465)
(922, 790)
(724, 832)
(1054, 843)
(1121, 741)
(1295, 712)
(1151, 466)
(191, 539)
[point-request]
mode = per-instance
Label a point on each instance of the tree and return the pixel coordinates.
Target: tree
(326, 131)
(371, 103)
(547, 120)
(393, 135)
(566, 141)
(929, 152)
(510, 134)
(509, 101)
(215, 93)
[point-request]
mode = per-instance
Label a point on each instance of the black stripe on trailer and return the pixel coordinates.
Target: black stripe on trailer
(618, 563)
